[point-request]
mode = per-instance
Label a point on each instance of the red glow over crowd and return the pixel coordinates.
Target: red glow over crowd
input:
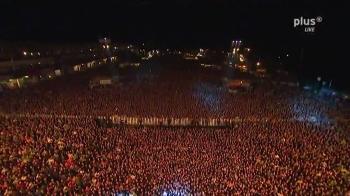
(56, 154)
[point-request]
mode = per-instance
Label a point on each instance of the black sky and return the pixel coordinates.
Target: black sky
(174, 22)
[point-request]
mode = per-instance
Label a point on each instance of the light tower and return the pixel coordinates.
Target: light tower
(233, 56)
(105, 44)
(106, 48)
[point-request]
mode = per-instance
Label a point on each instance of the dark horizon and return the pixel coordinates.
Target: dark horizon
(266, 26)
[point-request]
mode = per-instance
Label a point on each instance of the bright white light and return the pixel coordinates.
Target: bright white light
(38, 53)
(258, 63)
(104, 46)
(31, 54)
(107, 46)
(287, 55)
(25, 53)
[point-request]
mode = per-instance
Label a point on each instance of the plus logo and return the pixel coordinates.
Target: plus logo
(309, 24)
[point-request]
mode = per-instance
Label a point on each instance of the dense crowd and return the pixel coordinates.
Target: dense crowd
(48, 156)
(178, 94)
(56, 154)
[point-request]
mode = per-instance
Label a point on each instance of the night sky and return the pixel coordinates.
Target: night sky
(266, 25)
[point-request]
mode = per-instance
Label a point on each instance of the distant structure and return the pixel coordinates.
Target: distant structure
(233, 54)
(232, 58)
(106, 46)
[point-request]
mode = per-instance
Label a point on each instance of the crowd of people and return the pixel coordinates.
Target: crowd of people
(51, 142)
(193, 95)
(57, 155)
